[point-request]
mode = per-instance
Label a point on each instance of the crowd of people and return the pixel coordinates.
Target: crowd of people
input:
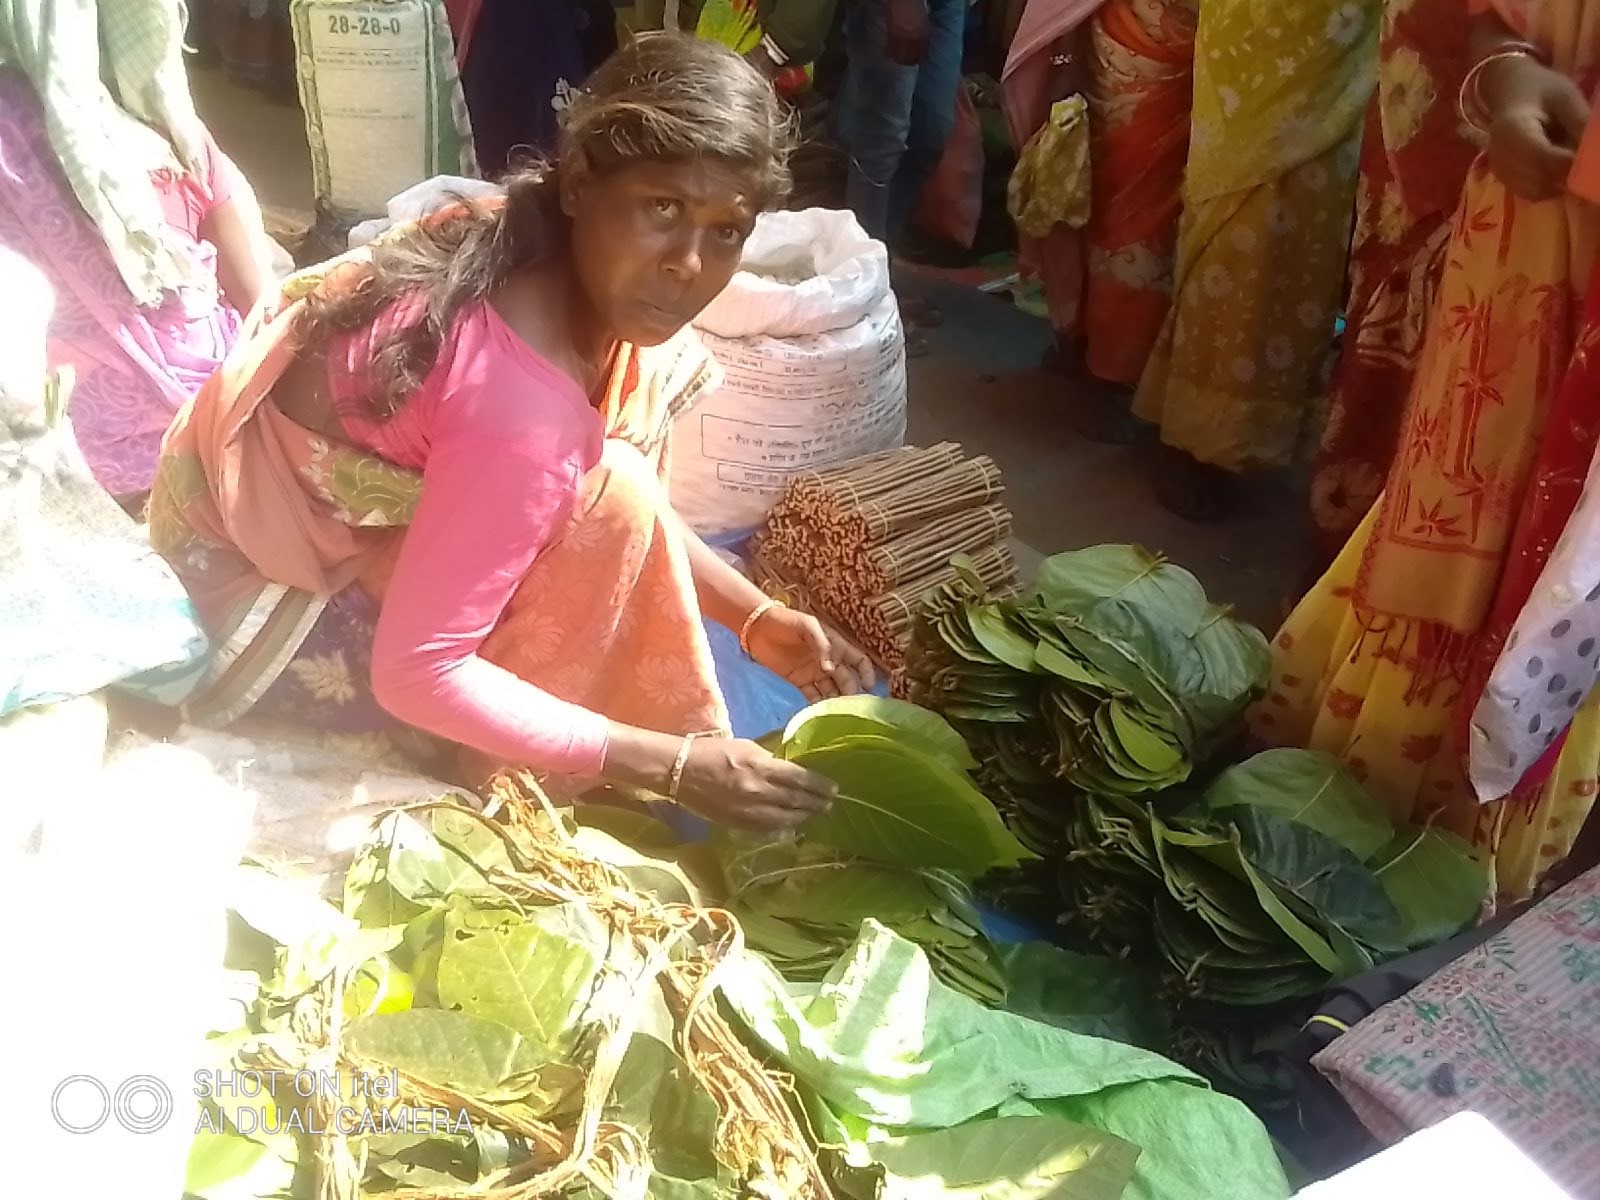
(1260, 176)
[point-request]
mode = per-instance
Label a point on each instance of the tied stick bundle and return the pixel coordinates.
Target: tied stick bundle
(860, 545)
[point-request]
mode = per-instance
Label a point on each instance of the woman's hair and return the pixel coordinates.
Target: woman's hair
(663, 97)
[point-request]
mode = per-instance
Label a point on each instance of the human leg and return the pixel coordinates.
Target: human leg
(875, 116)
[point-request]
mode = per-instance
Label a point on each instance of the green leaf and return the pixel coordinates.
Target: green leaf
(1001, 639)
(1005, 1158)
(518, 975)
(427, 869)
(657, 1095)
(1331, 883)
(895, 806)
(457, 1050)
(1075, 582)
(824, 724)
(1435, 883)
(227, 1166)
(1100, 997)
(1309, 788)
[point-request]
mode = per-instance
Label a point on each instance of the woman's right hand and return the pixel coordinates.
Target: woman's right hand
(1537, 116)
(739, 784)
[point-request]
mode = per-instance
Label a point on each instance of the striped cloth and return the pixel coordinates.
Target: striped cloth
(100, 68)
(1510, 1030)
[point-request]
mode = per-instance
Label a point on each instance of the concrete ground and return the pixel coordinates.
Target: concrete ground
(980, 385)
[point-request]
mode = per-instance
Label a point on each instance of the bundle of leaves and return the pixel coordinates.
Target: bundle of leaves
(586, 1027)
(1283, 876)
(1112, 676)
(903, 844)
(546, 987)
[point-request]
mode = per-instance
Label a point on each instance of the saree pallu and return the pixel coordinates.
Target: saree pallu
(1141, 82)
(1040, 69)
(1279, 97)
(1414, 161)
(286, 538)
(1379, 661)
(134, 367)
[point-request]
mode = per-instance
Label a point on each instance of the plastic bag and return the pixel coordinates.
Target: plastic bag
(952, 201)
(1051, 183)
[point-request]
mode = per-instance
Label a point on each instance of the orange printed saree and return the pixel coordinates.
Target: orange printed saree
(285, 537)
(1140, 88)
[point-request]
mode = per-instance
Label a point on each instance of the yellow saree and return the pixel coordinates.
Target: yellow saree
(1280, 95)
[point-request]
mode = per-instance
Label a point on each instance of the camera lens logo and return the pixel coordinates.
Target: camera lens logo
(83, 1104)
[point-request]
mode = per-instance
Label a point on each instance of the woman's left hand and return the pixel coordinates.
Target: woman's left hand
(799, 648)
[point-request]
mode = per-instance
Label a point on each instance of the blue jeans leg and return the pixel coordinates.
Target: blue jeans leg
(875, 116)
(933, 111)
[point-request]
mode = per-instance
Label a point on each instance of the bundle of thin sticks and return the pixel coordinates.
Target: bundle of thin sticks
(861, 544)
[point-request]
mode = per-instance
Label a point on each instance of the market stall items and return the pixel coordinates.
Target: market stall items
(589, 1027)
(862, 544)
(1097, 702)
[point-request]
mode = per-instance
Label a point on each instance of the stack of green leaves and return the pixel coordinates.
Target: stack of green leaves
(1112, 676)
(1283, 876)
(903, 843)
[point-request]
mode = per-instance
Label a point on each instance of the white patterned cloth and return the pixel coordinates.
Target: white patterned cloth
(84, 601)
(1551, 660)
(104, 70)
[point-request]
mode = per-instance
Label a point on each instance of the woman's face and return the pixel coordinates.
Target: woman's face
(653, 243)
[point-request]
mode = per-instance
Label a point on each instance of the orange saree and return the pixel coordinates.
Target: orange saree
(285, 537)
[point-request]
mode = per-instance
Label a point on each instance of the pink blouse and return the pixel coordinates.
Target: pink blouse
(503, 440)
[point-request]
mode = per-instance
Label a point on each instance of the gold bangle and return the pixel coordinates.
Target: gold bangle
(675, 779)
(755, 616)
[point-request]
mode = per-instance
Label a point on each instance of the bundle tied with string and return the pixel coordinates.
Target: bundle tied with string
(860, 545)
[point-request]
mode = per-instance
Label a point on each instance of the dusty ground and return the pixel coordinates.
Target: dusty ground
(980, 386)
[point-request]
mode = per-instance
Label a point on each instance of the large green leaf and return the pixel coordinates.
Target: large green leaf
(1311, 789)
(228, 1166)
(896, 806)
(1075, 582)
(844, 895)
(824, 724)
(657, 1095)
(427, 869)
(1101, 997)
(457, 1050)
(1326, 878)
(1434, 881)
(519, 975)
(1005, 1158)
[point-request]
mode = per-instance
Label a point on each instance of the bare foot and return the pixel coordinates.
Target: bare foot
(1194, 490)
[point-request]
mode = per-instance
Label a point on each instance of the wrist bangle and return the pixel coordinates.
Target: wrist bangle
(778, 57)
(1470, 101)
(675, 778)
(753, 620)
